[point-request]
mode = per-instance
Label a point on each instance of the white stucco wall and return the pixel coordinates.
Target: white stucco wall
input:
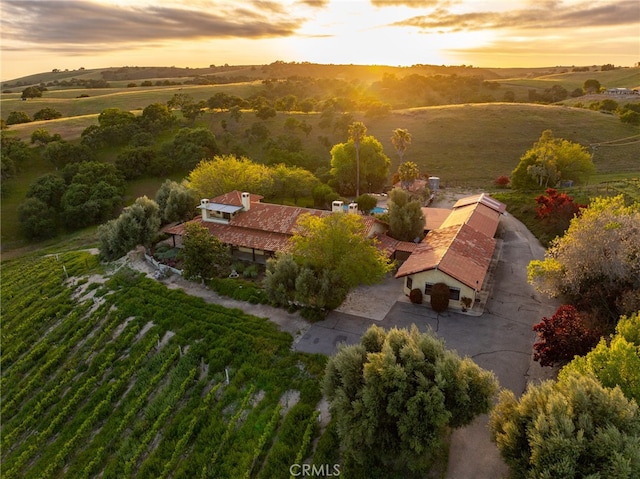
(436, 276)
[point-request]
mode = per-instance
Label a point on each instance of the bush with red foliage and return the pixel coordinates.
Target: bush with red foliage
(563, 336)
(556, 205)
(502, 181)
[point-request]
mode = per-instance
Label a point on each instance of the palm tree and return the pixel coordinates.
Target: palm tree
(357, 131)
(401, 139)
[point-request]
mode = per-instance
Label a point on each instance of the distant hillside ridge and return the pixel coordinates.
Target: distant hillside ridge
(279, 69)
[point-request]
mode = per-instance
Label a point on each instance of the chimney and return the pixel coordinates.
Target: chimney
(336, 207)
(353, 208)
(204, 202)
(246, 201)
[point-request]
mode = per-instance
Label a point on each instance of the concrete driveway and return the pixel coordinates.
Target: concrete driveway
(499, 340)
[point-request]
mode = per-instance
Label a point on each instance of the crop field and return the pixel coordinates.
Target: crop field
(114, 375)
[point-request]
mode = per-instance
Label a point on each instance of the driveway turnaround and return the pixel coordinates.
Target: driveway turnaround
(499, 340)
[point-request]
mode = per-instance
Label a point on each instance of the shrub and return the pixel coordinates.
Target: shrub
(415, 296)
(502, 181)
(440, 294)
(562, 336)
(251, 271)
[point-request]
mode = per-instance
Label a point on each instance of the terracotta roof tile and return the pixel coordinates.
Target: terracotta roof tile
(235, 198)
(463, 245)
(484, 199)
(434, 217)
(273, 218)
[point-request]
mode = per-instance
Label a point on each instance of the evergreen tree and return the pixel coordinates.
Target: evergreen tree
(570, 428)
(395, 396)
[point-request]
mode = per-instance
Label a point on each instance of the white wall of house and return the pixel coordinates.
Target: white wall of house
(420, 280)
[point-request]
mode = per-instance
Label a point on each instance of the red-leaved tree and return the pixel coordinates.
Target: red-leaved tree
(562, 336)
(557, 209)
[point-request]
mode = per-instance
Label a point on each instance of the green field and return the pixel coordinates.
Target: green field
(127, 378)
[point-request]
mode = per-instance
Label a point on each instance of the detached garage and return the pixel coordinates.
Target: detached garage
(458, 253)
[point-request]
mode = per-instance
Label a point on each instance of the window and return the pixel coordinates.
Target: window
(409, 282)
(454, 293)
(427, 288)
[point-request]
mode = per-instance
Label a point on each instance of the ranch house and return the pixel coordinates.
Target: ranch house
(457, 253)
(256, 231)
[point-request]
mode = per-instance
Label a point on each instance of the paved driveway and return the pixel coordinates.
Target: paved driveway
(500, 340)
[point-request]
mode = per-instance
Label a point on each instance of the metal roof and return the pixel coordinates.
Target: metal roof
(220, 207)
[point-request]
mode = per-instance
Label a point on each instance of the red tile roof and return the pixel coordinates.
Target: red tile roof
(273, 218)
(463, 246)
(235, 198)
(390, 245)
(239, 236)
(434, 217)
(264, 226)
(484, 199)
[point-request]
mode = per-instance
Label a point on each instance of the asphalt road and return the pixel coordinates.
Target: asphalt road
(499, 340)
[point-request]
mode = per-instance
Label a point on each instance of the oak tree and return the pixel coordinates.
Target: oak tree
(551, 160)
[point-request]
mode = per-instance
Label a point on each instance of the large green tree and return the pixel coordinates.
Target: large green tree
(598, 258)
(614, 362)
(46, 114)
(227, 173)
(570, 428)
(550, 161)
(37, 219)
(395, 396)
(338, 242)
(31, 92)
(204, 255)
(189, 147)
(292, 181)
(406, 220)
(373, 166)
(62, 153)
(328, 256)
(176, 202)
(357, 131)
(136, 162)
(138, 224)
(48, 188)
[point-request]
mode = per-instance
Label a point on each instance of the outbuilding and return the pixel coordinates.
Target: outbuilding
(458, 253)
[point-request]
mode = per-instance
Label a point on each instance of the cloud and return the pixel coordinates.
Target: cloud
(82, 22)
(410, 3)
(551, 14)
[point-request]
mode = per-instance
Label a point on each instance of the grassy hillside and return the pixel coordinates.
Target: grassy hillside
(126, 378)
(465, 145)
(69, 103)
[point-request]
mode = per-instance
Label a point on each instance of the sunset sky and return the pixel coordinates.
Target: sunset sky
(39, 35)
